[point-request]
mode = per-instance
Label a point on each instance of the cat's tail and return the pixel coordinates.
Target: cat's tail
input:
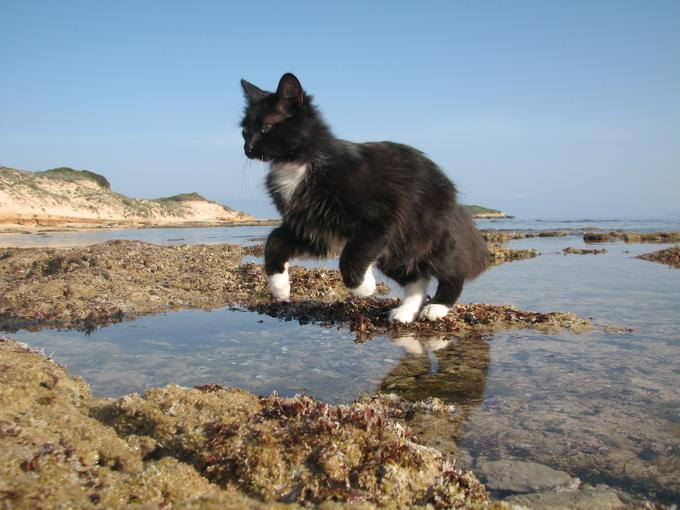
(472, 253)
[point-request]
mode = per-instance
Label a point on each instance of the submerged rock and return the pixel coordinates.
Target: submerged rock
(520, 477)
(586, 499)
(669, 256)
(209, 447)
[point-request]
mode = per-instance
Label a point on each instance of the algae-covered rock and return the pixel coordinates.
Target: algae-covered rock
(502, 236)
(92, 286)
(369, 317)
(87, 286)
(581, 251)
(669, 256)
(500, 254)
(293, 449)
(53, 454)
(211, 447)
(632, 237)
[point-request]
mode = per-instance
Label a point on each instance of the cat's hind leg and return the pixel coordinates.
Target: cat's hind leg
(448, 292)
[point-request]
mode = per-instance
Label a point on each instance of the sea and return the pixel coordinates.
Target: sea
(603, 405)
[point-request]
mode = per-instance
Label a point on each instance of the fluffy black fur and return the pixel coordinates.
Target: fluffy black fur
(382, 202)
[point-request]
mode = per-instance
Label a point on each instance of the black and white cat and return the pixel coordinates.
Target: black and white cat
(375, 204)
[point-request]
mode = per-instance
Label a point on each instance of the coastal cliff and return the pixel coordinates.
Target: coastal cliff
(64, 196)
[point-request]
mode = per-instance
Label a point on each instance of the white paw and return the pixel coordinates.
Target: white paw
(403, 313)
(367, 287)
(436, 343)
(279, 285)
(410, 345)
(434, 312)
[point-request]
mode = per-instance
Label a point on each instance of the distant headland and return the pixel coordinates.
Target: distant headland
(484, 212)
(80, 198)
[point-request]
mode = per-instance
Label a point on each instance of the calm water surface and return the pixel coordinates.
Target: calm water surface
(602, 405)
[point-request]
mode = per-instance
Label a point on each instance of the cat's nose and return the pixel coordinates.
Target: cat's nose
(250, 144)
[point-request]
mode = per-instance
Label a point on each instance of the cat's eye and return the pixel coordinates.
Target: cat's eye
(244, 130)
(266, 128)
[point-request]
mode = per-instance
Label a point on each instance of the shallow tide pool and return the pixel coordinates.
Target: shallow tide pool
(602, 405)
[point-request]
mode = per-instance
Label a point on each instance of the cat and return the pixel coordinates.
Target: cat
(377, 204)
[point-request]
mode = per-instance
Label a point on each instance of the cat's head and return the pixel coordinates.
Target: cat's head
(278, 126)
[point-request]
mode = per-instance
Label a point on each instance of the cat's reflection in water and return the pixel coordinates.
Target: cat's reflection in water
(453, 369)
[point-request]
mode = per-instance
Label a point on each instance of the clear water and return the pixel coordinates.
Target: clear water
(166, 236)
(628, 224)
(602, 405)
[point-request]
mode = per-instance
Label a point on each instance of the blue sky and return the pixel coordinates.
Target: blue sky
(542, 109)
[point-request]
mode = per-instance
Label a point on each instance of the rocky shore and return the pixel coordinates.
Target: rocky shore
(209, 447)
(215, 447)
(91, 286)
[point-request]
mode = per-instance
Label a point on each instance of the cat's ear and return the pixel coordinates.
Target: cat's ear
(253, 94)
(290, 91)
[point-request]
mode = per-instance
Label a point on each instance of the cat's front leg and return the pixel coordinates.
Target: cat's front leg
(356, 264)
(281, 246)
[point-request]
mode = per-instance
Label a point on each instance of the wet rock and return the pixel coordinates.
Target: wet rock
(109, 282)
(212, 447)
(369, 317)
(587, 499)
(582, 251)
(669, 256)
(518, 476)
(500, 254)
(503, 236)
(256, 250)
(91, 286)
(632, 237)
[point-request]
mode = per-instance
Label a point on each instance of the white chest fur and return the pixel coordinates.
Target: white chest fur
(286, 177)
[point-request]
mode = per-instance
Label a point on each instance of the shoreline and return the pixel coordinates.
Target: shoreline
(96, 225)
